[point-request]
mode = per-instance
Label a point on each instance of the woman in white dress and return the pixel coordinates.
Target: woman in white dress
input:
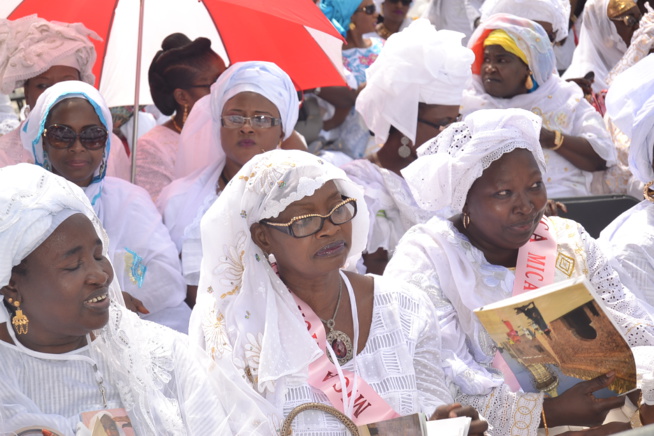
(71, 347)
(276, 240)
(67, 133)
(488, 170)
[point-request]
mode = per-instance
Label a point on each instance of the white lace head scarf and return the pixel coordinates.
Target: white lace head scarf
(152, 385)
(448, 165)
(417, 65)
(31, 134)
(555, 12)
(30, 46)
(244, 311)
(529, 36)
(630, 106)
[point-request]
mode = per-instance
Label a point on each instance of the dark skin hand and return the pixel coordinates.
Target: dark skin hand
(134, 304)
(477, 426)
(647, 414)
(575, 149)
(552, 208)
(578, 405)
(602, 430)
(376, 262)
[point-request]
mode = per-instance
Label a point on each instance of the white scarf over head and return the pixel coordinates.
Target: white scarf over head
(31, 134)
(555, 12)
(200, 138)
(630, 105)
(600, 46)
(244, 311)
(448, 165)
(417, 65)
(30, 46)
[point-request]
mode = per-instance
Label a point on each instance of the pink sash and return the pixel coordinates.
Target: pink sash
(534, 269)
(324, 375)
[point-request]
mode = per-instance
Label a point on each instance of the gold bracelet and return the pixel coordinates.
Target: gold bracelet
(547, 430)
(558, 140)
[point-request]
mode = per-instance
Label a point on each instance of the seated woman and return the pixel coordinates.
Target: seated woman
(488, 170)
(629, 238)
(36, 54)
(180, 74)
(67, 133)
(414, 90)
(69, 332)
(274, 299)
(254, 107)
(514, 68)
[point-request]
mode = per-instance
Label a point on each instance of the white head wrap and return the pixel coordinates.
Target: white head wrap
(630, 105)
(31, 45)
(555, 12)
(417, 65)
(528, 35)
(242, 304)
(31, 134)
(153, 375)
(448, 165)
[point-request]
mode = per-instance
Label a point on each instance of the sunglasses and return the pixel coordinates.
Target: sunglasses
(61, 136)
(307, 225)
(440, 125)
(629, 20)
(368, 10)
(404, 2)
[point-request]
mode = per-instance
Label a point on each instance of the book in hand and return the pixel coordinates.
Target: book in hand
(110, 422)
(558, 335)
(417, 425)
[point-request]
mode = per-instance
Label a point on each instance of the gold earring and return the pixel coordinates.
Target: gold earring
(466, 220)
(20, 321)
(352, 26)
(529, 84)
(185, 114)
(646, 191)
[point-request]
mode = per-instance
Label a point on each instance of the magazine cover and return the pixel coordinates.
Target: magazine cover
(554, 337)
(111, 422)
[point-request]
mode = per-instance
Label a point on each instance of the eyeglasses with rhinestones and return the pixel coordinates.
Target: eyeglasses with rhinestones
(310, 224)
(368, 10)
(62, 136)
(442, 124)
(404, 2)
(257, 121)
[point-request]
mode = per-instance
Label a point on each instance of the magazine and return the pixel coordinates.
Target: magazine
(110, 422)
(558, 335)
(417, 425)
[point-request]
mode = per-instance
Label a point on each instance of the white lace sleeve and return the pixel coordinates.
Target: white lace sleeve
(627, 312)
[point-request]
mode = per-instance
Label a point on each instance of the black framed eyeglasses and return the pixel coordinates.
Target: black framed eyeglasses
(629, 20)
(310, 224)
(257, 121)
(440, 125)
(62, 136)
(368, 10)
(404, 2)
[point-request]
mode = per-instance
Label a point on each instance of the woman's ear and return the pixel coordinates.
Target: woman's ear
(182, 97)
(9, 291)
(260, 237)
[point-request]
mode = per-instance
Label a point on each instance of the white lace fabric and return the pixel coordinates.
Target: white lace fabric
(155, 159)
(458, 279)
(555, 12)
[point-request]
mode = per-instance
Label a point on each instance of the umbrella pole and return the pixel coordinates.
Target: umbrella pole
(137, 89)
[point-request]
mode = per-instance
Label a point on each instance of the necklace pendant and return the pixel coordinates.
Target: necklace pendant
(342, 346)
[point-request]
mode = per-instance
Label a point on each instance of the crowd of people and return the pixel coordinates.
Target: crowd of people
(257, 264)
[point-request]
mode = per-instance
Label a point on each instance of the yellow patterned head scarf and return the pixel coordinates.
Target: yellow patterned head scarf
(616, 8)
(501, 38)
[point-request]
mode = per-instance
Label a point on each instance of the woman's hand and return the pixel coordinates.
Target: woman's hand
(578, 405)
(647, 414)
(134, 304)
(552, 208)
(477, 426)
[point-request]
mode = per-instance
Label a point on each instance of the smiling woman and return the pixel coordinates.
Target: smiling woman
(64, 328)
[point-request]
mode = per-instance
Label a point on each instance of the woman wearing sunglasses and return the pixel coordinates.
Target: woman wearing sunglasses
(67, 132)
(254, 107)
(276, 300)
(514, 68)
(394, 17)
(414, 91)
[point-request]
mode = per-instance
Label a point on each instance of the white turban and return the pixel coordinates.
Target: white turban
(448, 165)
(263, 78)
(555, 12)
(630, 105)
(31, 204)
(30, 46)
(417, 65)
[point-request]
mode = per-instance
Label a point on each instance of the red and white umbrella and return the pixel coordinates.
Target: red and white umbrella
(292, 33)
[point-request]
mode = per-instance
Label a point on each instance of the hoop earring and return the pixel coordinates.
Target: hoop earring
(185, 115)
(20, 321)
(646, 191)
(465, 220)
(529, 84)
(404, 151)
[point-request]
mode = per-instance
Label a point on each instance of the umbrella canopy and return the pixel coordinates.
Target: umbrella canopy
(294, 34)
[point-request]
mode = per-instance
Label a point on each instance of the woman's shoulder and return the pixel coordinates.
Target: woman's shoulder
(634, 225)
(179, 191)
